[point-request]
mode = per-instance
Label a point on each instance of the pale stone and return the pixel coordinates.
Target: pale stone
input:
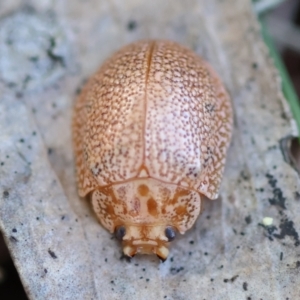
(60, 250)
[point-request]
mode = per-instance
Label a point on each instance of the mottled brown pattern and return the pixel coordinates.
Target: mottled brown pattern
(166, 204)
(156, 105)
(143, 190)
(151, 129)
(109, 120)
(188, 120)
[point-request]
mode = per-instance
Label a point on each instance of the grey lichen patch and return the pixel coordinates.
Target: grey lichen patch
(278, 198)
(287, 229)
(34, 50)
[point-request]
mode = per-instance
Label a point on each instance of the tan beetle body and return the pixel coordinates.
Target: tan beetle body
(151, 129)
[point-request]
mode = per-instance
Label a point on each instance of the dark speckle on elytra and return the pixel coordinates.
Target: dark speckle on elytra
(14, 230)
(5, 194)
(278, 198)
(245, 286)
(52, 253)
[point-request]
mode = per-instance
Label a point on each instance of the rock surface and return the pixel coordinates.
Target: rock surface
(46, 51)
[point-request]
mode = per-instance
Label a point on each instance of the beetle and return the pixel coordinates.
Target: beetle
(151, 129)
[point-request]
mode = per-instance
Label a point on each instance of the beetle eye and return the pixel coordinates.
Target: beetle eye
(120, 233)
(170, 233)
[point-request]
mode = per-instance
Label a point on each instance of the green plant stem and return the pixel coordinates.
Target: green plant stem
(287, 86)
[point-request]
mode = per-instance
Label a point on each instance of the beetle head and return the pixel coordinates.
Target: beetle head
(145, 214)
(146, 239)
